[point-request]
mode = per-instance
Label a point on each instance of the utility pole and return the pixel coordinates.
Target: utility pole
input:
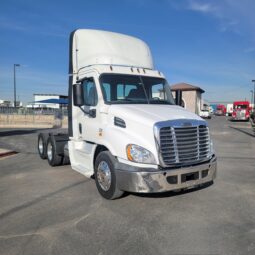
(14, 80)
(253, 96)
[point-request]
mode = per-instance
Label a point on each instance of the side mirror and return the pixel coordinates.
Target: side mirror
(78, 96)
(92, 113)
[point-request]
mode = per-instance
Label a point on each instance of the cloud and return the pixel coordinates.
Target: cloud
(230, 26)
(4, 24)
(30, 81)
(249, 50)
(203, 7)
(44, 29)
(232, 15)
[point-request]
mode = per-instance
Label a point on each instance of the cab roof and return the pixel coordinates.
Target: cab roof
(92, 47)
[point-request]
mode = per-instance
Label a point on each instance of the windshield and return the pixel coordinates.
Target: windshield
(134, 89)
(241, 106)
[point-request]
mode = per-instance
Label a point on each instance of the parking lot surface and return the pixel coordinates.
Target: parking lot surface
(45, 210)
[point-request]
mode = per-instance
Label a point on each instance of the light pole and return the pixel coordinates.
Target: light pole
(253, 95)
(14, 80)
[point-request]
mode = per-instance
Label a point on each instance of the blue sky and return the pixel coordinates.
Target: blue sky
(210, 44)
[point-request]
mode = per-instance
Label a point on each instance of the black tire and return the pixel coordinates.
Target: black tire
(112, 192)
(53, 158)
(66, 161)
(41, 145)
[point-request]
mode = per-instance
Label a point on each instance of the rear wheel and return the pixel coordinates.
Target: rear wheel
(53, 158)
(105, 176)
(41, 145)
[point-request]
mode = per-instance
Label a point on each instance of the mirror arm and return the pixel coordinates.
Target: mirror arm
(90, 112)
(84, 110)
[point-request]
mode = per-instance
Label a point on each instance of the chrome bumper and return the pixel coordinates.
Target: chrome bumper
(151, 181)
(240, 118)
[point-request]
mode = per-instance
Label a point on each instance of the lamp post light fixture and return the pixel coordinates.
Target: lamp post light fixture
(14, 81)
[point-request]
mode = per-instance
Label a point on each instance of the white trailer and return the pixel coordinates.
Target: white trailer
(124, 128)
(229, 109)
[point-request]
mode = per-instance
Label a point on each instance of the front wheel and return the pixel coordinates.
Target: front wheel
(105, 176)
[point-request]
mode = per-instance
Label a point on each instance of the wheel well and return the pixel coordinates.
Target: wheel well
(99, 149)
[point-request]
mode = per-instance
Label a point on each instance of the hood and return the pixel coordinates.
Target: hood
(149, 114)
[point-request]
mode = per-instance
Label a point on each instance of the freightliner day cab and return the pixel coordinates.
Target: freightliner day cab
(124, 128)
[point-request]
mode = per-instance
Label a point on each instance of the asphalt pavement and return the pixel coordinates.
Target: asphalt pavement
(55, 210)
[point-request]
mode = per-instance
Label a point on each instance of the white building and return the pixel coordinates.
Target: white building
(5, 103)
(48, 101)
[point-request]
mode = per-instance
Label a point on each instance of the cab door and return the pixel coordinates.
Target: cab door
(89, 123)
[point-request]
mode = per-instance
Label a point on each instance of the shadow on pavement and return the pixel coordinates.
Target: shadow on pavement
(39, 199)
(242, 131)
(18, 132)
(236, 158)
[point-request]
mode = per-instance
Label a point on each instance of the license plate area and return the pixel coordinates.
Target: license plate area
(189, 177)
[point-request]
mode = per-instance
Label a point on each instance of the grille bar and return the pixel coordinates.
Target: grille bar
(184, 144)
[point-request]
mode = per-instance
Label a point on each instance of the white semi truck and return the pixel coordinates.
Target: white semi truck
(124, 128)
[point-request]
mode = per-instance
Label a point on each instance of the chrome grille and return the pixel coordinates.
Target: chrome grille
(184, 144)
(240, 114)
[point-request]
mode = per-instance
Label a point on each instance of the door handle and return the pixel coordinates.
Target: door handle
(80, 128)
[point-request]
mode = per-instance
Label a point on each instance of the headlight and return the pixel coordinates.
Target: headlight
(138, 154)
(211, 148)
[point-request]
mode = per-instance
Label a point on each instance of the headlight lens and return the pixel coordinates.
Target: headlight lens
(138, 154)
(211, 148)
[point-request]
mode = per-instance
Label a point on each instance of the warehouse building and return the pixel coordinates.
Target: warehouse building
(191, 96)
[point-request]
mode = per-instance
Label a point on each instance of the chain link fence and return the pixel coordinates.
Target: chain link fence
(35, 111)
(27, 117)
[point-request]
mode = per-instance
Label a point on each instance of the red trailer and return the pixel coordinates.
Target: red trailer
(241, 110)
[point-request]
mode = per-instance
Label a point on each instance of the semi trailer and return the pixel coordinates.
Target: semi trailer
(124, 128)
(229, 109)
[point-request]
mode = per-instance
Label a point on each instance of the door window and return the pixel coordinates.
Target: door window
(90, 92)
(107, 91)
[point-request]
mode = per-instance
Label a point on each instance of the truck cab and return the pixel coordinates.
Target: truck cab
(241, 110)
(125, 129)
(221, 110)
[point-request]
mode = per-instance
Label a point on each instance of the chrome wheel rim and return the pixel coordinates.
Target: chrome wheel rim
(40, 146)
(104, 175)
(49, 151)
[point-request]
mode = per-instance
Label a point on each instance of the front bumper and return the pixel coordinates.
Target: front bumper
(141, 180)
(240, 118)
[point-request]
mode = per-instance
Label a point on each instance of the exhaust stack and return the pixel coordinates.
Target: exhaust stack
(178, 97)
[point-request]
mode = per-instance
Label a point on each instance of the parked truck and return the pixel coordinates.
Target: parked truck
(124, 128)
(241, 110)
(221, 110)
